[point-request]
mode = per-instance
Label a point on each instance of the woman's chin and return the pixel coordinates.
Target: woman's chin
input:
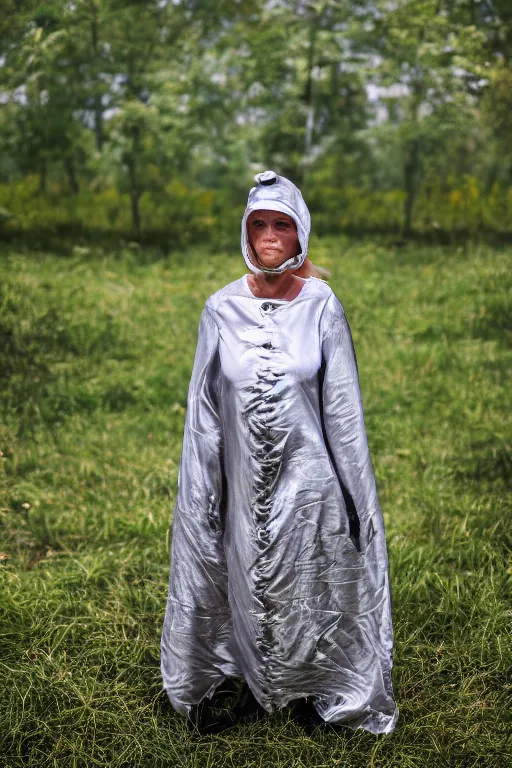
(272, 260)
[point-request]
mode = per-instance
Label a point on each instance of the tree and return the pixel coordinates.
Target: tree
(426, 64)
(41, 104)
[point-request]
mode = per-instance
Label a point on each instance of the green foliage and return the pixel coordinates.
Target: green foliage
(179, 215)
(96, 354)
(381, 111)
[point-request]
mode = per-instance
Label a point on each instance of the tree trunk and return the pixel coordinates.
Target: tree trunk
(43, 175)
(136, 225)
(135, 191)
(98, 106)
(98, 121)
(73, 181)
(411, 170)
(309, 100)
(134, 198)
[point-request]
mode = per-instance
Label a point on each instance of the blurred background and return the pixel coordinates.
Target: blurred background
(149, 119)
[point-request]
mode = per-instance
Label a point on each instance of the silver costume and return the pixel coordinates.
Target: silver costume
(279, 568)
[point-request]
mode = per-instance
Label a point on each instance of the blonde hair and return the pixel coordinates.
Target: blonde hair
(308, 269)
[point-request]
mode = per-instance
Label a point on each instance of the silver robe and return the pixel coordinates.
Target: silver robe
(279, 568)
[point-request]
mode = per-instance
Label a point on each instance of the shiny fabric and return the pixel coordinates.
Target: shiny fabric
(276, 193)
(279, 568)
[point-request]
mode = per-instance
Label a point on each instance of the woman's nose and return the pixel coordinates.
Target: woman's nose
(269, 234)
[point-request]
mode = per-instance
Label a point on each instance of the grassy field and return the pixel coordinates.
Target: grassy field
(95, 356)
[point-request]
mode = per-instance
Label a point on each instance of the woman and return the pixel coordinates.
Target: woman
(279, 569)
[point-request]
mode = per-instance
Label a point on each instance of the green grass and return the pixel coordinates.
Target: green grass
(96, 352)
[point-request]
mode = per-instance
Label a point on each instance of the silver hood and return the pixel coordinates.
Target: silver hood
(276, 193)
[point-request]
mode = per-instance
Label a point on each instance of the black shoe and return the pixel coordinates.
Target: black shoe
(304, 713)
(209, 716)
(233, 702)
(247, 707)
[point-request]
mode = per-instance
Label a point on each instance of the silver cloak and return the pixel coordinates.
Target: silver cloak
(279, 567)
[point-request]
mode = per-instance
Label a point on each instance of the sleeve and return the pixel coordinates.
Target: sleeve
(198, 570)
(344, 427)
(195, 642)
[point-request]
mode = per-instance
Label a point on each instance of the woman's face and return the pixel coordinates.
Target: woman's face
(273, 236)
